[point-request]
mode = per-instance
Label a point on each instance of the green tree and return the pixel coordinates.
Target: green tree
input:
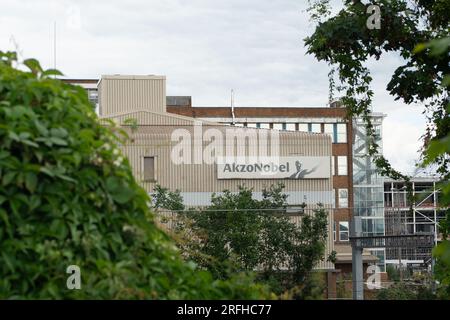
(418, 31)
(405, 291)
(68, 197)
(440, 148)
(346, 43)
(238, 233)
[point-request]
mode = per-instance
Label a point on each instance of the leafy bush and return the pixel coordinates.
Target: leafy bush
(68, 197)
(238, 233)
(405, 291)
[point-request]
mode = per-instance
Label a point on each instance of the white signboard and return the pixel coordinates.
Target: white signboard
(292, 167)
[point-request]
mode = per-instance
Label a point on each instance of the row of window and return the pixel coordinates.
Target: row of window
(344, 231)
(338, 131)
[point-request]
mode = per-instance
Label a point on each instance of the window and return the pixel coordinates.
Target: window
(329, 128)
(93, 98)
(343, 198)
(303, 127)
(334, 231)
(315, 127)
(332, 166)
(149, 169)
(341, 133)
(334, 198)
(278, 126)
(93, 95)
(264, 125)
(381, 255)
(342, 165)
(343, 231)
(252, 125)
(290, 126)
(258, 125)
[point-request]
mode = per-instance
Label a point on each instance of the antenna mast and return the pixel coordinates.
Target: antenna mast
(54, 46)
(232, 107)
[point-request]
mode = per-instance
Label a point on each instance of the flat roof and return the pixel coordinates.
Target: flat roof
(132, 77)
(416, 179)
(79, 80)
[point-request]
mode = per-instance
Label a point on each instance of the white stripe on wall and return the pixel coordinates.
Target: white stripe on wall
(294, 197)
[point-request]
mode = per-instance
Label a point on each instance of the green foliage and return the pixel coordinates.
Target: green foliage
(68, 197)
(346, 44)
(419, 32)
(313, 287)
(164, 198)
(344, 286)
(438, 151)
(393, 273)
(238, 233)
(442, 268)
(405, 291)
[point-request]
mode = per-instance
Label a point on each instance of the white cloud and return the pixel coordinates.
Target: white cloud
(205, 48)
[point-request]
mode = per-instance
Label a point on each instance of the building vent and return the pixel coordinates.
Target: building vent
(179, 101)
(336, 104)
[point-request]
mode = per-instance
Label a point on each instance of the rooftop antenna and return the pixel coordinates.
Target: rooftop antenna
(54, 46)
(232, 107)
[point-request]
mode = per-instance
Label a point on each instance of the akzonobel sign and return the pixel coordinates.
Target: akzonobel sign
(274, 168)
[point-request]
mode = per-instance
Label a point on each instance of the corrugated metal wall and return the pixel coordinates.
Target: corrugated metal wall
(203, 177)
(118, 94)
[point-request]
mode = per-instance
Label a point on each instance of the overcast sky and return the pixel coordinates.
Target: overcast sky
(205, 48)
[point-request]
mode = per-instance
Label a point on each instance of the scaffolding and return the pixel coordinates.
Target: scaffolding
(421, 215)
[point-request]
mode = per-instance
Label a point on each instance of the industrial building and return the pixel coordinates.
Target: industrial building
(357, 187)
(352, 186)
(157, 137)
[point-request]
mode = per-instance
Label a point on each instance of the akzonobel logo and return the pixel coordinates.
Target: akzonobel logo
(273, 168)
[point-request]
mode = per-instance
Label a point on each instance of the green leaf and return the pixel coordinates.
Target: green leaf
(67, 178)
(437, 148)
(439, 46)
(123, 196)
(112, 184)
(31, 181)
(47, 171)
(52, 72)
(59, 132)
(58, 141)
(8, 261)
(30, 143)
(4, 217)
(420, 47)
(4, 154)
(33, 65)
(119, 192)
(13, 136)
(8, 178)
(446, 80)
(442, 251)
(41, 128)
